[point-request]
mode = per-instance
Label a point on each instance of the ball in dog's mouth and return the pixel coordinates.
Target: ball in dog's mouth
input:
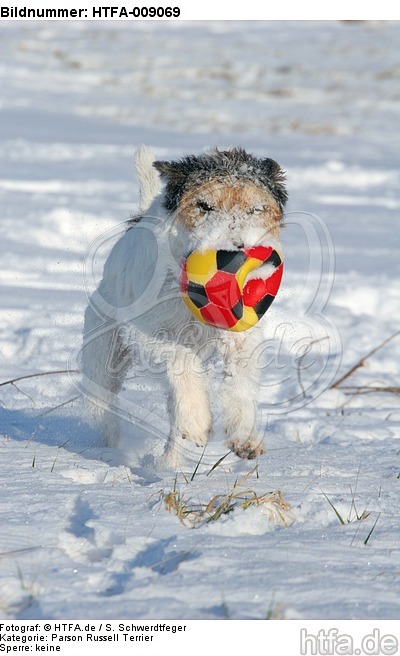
(222, 288)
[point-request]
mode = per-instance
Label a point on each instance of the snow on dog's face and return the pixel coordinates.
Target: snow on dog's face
(226, 213)
(225, 199)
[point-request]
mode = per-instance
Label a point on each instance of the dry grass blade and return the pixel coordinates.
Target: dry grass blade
(372, 530)
(43, 373)
(197, 514)
(272, 501)
(218, 462)
(56, 407)
(246, 476)
(353, 513)
(338, 515)
(211, 504)
(198, 465)
(361, 362)
(353, 390)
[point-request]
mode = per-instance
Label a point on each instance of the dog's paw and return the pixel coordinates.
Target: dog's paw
(247, 450)
(195, 427)
(199, 439)
(175, 450)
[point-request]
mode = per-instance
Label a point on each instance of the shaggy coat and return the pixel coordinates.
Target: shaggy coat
(218, 200)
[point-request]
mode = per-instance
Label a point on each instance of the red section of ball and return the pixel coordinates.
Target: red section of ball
(256, 289)
(259, 252)
(183, 277)
(274, 281)
(218, 316)
(223, 289)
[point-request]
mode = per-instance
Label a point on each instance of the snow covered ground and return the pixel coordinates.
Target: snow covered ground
(85, 534)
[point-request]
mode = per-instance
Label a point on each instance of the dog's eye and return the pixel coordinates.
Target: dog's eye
(203, 205)
(255, 210)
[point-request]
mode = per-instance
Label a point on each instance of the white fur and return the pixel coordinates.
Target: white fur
(136, 310)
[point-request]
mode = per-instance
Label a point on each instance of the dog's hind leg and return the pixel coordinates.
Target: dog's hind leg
(188, 404)
(104, 363)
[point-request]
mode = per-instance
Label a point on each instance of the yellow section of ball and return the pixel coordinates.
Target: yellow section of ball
(248, 320)
(201, 266)
(249, 265)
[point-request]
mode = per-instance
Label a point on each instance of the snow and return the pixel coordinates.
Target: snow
(85, 531)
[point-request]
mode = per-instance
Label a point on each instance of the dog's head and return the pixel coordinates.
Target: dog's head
(225, 198)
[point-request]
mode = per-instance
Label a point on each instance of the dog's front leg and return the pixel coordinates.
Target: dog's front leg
(188, 404)
(239, 401)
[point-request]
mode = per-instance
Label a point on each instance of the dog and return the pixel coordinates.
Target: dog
(220, 199)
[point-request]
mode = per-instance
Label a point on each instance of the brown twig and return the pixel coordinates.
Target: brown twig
(361, 362)
(366, 389)
(23, 393)
(60, 405)
(43, 373)
(17, 551)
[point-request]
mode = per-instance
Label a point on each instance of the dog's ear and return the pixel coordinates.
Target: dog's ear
(277, 178)
(176, 177)
(169, 170)
(162, 167)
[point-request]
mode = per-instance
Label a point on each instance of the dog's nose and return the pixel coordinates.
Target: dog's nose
(241, 245)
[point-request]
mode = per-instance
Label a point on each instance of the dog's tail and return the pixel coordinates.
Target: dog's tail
(150, 185)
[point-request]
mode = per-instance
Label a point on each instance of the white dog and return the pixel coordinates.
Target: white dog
(219, 200)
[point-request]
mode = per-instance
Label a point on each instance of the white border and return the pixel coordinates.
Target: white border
(208, 10)
(305, 637)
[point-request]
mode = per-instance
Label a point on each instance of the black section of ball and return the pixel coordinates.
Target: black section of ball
(237, 310)
(262, 306)
(273, 259)
(197, 294)
(230, 261)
